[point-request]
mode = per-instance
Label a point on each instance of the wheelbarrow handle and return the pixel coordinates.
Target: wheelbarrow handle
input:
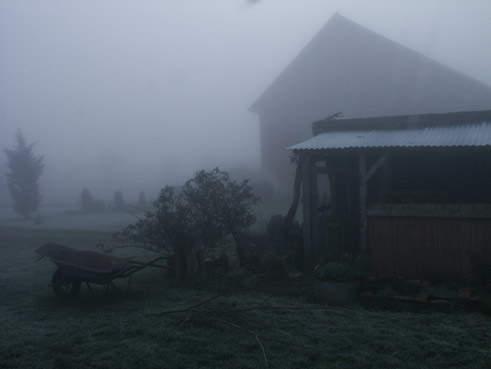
(152, 263)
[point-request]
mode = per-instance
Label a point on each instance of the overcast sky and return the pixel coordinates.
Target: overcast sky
(132, 95)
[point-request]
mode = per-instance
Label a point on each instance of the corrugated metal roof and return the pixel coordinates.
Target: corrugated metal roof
(475, 134)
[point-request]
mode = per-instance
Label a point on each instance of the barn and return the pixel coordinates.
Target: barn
(412, 191)
(348, 68)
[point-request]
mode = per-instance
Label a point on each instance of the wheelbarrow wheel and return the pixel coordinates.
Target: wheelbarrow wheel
(64, 287)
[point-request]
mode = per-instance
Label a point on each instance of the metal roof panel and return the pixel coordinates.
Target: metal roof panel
(475, 134)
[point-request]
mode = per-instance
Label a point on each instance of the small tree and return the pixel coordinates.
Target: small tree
(187, 223)
(118, 199)
(25, 168)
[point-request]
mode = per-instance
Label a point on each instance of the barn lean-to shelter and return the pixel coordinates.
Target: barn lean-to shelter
(351, 69)
(412, 191)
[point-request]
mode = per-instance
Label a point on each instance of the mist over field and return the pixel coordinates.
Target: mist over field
(371, 248)
(130, 96)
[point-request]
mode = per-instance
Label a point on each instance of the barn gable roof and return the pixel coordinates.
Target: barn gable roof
(349, 68)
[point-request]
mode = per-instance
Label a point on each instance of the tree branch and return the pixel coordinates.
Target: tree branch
(223, 294)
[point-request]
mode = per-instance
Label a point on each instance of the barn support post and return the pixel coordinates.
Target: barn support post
(310, 216)
(306, 204)
(362, 174)
(333, 189)
(314, 212)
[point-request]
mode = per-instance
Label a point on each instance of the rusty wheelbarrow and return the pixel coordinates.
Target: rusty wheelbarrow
(77, 266)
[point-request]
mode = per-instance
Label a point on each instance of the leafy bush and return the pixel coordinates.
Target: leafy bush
(273, 266)
(188, 222)
(345, 268)
(337, 271)
(289, 240)
(274, 229)
(285, 245)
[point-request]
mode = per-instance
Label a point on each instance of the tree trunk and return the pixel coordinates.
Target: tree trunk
(189, 262)
(180, 262)
(288, 221)
(192, 264)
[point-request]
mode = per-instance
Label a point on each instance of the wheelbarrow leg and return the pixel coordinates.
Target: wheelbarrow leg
(129, 282)
(106, 288)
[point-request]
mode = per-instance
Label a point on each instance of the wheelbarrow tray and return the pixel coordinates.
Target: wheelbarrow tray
(85, 265)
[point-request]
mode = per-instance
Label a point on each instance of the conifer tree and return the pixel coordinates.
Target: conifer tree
(24, 170)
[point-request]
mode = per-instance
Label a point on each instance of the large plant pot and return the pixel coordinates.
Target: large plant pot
(337, 292)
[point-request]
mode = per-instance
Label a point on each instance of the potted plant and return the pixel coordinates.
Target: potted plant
(339, 281)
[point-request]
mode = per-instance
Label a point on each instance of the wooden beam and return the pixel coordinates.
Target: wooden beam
(362, 175)
(375, 166)
(428, 214)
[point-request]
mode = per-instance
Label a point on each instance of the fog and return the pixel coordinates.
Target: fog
(135, 95)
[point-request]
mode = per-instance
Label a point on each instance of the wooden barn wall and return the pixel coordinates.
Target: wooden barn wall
(429, 241)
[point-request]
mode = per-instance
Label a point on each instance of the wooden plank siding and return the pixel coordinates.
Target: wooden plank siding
(428, 241)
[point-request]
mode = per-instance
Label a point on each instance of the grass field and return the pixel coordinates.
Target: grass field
(40, 331)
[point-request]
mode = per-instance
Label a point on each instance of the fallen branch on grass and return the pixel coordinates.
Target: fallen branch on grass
(224, 294)
(215, 310)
